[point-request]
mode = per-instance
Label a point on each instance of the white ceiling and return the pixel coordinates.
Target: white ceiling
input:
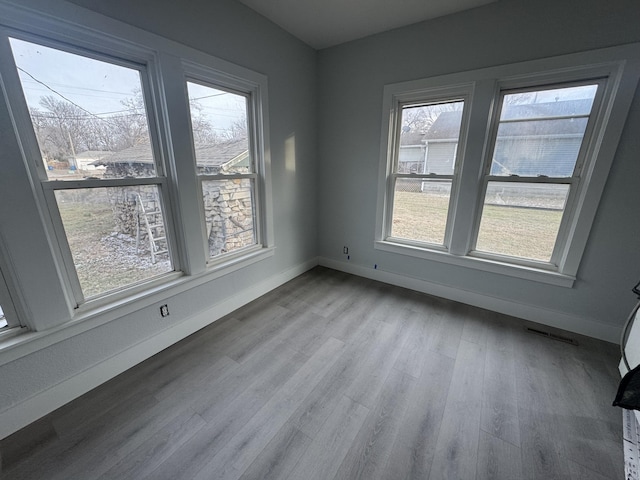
(324, 23)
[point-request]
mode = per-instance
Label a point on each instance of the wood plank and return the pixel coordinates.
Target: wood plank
(282, 392)
(280, 456)
(578, 472)
(457, 453)
(541, 443)
(148, 456)
(446, 332)
(315, 409)
(499, 392)
(410, 359)
(415, 445)
(267, 364)
(232, 403)
(370, 451)
(329, 447)
(497, 459)
(246, 445)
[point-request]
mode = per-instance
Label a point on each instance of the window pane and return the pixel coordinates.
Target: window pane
(229, 214)
(88, 115)
(429, 138)
(540, 133)
(521, 219)
(116, 236)
(220, 130)
(420, 210)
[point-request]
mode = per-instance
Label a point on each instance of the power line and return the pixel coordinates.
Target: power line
(56, 92)
(87, 88)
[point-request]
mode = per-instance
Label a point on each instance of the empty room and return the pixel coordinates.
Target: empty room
(318, 240)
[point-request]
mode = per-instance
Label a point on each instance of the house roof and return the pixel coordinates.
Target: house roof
(411, 138)
(221, 153)
(206, 155)
(137, 154)
(95, 154)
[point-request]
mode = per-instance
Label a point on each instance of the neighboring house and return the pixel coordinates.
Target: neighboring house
(212, 159)
(525, 148)
(411, 156)
(87, 160)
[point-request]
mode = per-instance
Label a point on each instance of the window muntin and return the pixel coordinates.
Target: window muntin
(533, 169)
(424, 169)
(225, 165)
(90, 122)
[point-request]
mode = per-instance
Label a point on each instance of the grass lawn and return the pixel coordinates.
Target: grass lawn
(104, 261)
(514, 231)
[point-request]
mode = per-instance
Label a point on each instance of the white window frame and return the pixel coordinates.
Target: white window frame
(253, 91)
(46, 188)
(575, 181)
(621, 69)
(431, 96)
(165, 62)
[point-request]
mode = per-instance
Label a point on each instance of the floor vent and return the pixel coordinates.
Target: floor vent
(552, 336)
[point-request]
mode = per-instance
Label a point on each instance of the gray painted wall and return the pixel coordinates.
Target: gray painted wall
(350, 82)
(235, 33)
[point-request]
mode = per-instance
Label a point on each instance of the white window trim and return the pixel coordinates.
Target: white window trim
(87, 30)
(444, 94)
(253, 89)
(622, 67)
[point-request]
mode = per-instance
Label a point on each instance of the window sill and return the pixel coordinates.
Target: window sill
(93, 315)
(476, 263)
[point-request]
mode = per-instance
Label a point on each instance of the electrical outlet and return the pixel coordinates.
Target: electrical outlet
(164, 310)
(345, 250)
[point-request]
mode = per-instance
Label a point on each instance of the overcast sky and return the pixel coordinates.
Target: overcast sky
(100, 87)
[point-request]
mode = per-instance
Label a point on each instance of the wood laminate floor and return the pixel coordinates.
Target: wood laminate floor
(332, 376)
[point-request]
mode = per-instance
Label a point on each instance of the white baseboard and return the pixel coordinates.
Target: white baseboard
(39, 405)
(552, 318)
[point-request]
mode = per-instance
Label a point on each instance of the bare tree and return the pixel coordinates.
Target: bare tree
(64, 129)
(419, 118)
(203, 132)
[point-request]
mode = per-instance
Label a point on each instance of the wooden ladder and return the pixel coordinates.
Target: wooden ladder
(149, 218)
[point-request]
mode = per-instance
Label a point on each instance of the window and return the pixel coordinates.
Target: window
(147, 164)
(225, 164)
(102, 181)
(424, 170)
(501, 169)
(534, 169)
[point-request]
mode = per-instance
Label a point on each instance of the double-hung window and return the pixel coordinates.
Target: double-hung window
(97, 164)
(225, 165)
(538, 144)
(501, 169)
(148, 164)
(424, 167)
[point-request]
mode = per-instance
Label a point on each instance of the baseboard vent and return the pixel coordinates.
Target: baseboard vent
(552, 336)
